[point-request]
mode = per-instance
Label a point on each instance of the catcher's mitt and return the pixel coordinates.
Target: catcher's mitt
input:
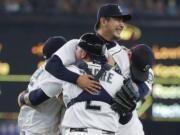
(126, 98)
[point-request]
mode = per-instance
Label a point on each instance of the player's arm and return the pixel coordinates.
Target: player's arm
(34, 97)
(127, 97)
(66, 56)
(124, 101)
(145, 88)
(47, 88)
(130, 93)
(57, 69)
(121, 58)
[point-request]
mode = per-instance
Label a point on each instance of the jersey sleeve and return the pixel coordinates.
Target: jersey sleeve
(51, 86)
(63, 57)
(120, 56)
(145, 88)
(67, 52)
(55, 67)
(150, 80)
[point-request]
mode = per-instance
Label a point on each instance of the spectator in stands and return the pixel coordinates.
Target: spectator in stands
(171, 8)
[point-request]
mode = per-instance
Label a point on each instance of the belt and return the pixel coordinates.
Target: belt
(86, 130)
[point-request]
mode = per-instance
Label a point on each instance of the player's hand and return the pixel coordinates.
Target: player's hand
(20, 96)
(88, 83)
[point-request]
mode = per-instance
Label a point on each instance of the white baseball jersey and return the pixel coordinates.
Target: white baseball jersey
(83, 114)
(67, 52)
(121, 58)
(44, 118)
(133, 127)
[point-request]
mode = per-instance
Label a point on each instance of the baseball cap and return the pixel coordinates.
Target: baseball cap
(142, 60)
(93, 45)
(52, 44)
(111, 10)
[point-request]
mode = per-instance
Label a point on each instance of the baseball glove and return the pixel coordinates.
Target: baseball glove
(126, 98)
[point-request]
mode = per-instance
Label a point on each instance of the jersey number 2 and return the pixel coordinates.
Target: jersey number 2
(92, 107)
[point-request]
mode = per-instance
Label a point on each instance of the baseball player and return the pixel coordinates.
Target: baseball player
(91, 113)
(42, 119)
(110, 22)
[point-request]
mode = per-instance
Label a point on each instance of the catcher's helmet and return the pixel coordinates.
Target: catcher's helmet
(52, 44)
(94, 47)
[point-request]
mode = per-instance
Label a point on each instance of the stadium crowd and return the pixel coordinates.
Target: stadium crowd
(142, 7)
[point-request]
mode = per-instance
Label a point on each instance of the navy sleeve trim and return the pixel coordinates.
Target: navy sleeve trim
(143, 90)
(58, 70)
(37, 96)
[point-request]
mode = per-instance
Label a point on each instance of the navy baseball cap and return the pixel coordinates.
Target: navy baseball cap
(111, 10)
(52, 44)
(142, 59)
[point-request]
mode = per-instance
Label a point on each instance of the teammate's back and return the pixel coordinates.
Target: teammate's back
(95, 111)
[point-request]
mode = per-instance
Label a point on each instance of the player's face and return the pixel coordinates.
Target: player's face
(80, 53)
(114, 27)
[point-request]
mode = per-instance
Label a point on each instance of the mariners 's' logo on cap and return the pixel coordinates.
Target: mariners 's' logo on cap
(120, 9)
(146, 68)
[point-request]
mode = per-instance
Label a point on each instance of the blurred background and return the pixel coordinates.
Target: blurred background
(26, 24)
